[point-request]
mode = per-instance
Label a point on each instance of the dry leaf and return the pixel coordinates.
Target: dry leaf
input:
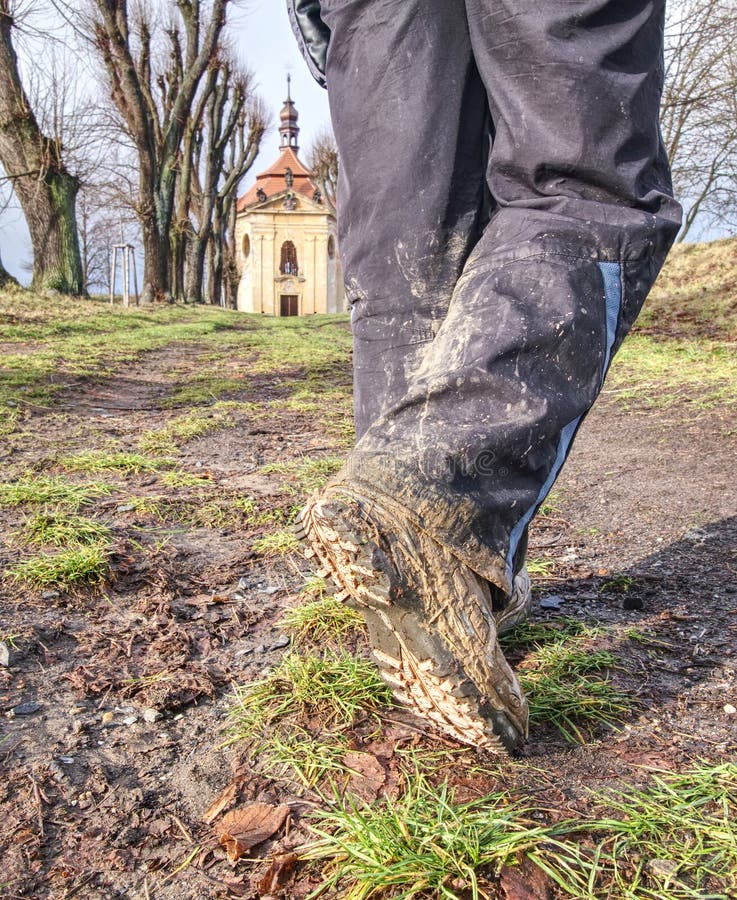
(367, 775)
(280, 872)
(222, 802)
(525, 882)
(244, 828)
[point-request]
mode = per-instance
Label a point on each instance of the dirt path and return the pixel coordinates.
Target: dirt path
(114, 702)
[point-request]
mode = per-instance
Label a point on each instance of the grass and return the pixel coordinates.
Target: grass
(277, 543)
(36, 490)
(322, 621)
(530, 634)
(62, 530)
(297, 754)
(66, 570)
(422, 844)
(306, 475)
(568, 689)
(92, 462)
(171, 437)
(179, 479)
(676, 838)
(540, 568)
(650, 372)
(334, 686)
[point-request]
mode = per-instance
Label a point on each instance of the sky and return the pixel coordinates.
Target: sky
(263, 38)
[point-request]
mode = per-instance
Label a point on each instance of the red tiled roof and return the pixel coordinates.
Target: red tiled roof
(272, 180)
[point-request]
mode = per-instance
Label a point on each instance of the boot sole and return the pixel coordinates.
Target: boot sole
(421, 670)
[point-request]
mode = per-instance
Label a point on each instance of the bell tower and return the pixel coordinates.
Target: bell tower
(289, 130)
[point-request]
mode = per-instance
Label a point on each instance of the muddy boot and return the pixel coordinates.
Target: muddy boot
(511, 611)
(429, 617)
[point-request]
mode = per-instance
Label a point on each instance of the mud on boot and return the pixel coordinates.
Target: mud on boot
(429, 617)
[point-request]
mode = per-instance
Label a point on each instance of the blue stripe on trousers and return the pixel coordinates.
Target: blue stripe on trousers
(612, 275)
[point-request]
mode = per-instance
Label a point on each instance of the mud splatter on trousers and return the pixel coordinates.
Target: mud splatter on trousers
(505, 205)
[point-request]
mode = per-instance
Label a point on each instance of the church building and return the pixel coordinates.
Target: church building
(287, 237)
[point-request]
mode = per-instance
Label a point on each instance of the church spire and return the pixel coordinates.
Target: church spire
(289, 130)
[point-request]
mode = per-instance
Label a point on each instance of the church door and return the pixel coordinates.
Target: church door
(289, 305)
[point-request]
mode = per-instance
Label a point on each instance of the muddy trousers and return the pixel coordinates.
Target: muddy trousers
(505, 205)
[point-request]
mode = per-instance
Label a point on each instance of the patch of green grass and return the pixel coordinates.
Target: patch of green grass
(423, 844)
(204, 388)
(170, 438)
(323, 621)
(66, 570)
(314, 586)
(567, 687)
(277, 543)
(619, 584)
(297, 754)
(530, 634)
(659, 374)
(62, 530)
(334, 686)
(675, 838)
(36, 490)
(179, 479)
(156, 507)
(306, 475)
(92, 462)
(540, 568)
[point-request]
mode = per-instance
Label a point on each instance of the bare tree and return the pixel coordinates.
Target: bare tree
(155, 105)
(35, 164)
(699, 114)
(322, 158)
(223, 148)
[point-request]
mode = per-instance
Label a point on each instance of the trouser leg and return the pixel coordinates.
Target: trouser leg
(582, 222)
(411, 121)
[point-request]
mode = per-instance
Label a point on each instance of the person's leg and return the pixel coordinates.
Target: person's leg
(411, 123)
(583, 221)
(412, 126)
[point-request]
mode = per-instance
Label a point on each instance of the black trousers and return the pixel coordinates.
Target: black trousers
(505, 205)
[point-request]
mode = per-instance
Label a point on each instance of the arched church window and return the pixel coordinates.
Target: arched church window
(246, 246)
(331, 247)
(289, 264)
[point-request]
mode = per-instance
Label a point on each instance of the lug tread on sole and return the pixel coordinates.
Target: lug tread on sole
(411, 679)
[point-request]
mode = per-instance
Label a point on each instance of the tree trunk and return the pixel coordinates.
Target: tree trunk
(194, 292)
(47, 192)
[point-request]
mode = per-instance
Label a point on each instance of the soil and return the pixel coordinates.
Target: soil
(113, 702)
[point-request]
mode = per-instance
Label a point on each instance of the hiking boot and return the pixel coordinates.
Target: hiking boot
(429, 617)
(508, 613)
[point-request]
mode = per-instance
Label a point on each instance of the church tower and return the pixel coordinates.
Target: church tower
(287, 236)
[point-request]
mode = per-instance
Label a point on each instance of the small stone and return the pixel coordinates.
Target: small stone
(151, 715)
(4, 655)
(130, 720)
(272, 589)
(729, 709)
(554, 601)
(66, 760)
(78, 727)
(281, 642)
(126, 507)
(27, 709)
(632, 601)
(108, 718)
(50, 595)
(663, 867)
(243, 584)
(261, 648)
